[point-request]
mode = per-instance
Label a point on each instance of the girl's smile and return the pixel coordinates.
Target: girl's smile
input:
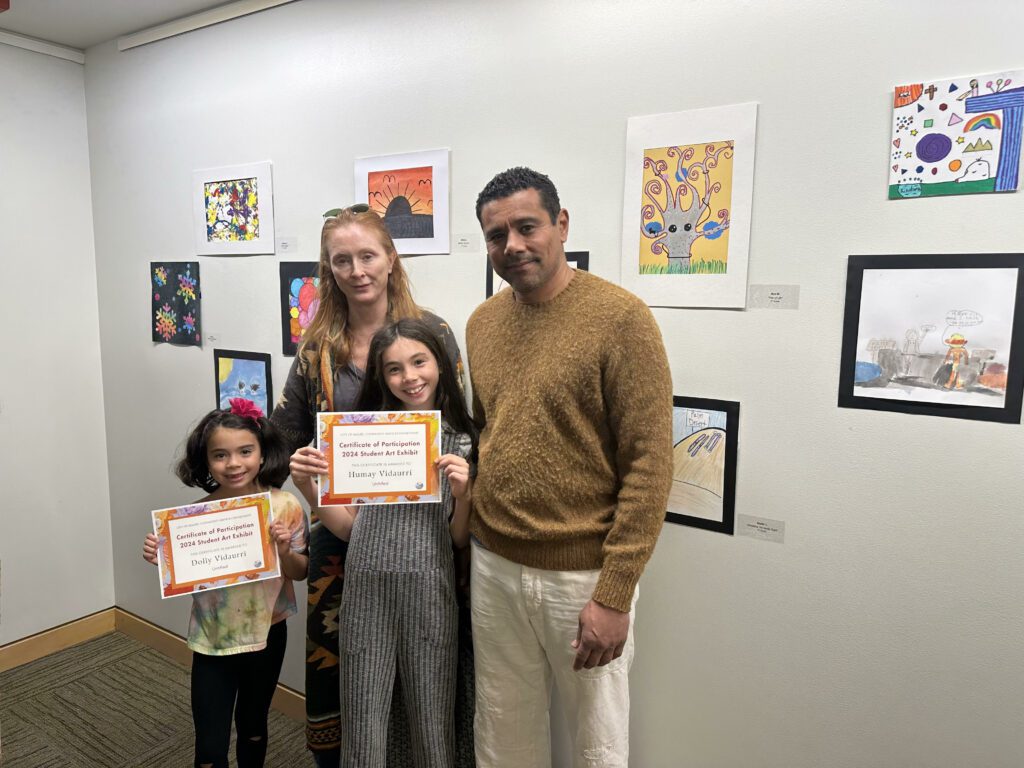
(411, 373)
(234, 459)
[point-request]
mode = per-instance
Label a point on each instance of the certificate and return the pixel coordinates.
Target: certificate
(380, 457)
(215, 544)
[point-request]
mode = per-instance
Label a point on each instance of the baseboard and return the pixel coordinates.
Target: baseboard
(49, 641)
(287, 701)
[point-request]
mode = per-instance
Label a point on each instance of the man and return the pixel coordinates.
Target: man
(572, 386)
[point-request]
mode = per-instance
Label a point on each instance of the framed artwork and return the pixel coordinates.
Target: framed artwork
(956, 137)
(300, 299)
(410, 192)
(576, 259)
(704, 437)
(174, 303)
(935, 334)
(233, 208)
(242, 374)
(687, 199)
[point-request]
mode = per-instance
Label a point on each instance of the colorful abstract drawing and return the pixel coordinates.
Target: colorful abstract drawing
(242, 374)
(956, 137)
(232, 210)
(410, 191)
(576, 259)
(687, 195)
(936, 334)
(404, 198)
(174, 295)
(300, 299)
(704, 457)
(684, 209)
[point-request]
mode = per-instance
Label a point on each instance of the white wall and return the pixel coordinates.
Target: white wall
(886, 630)
(55, 549)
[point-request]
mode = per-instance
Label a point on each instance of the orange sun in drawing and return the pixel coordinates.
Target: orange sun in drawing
(415, 185)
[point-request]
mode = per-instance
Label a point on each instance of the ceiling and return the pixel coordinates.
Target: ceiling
(82, 23)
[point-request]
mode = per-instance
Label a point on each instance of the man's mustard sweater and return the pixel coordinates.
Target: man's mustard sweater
(576, 451)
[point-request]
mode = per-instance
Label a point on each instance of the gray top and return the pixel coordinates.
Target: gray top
(406, 538)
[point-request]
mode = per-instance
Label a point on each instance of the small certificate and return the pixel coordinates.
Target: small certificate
(215, 544)
(380, 457)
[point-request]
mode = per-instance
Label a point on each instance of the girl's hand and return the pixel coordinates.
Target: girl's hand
(149, 547)
(305, 463)
(456, 469)
(282, 536)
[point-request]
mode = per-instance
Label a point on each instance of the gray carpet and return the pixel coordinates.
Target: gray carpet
(112, 702)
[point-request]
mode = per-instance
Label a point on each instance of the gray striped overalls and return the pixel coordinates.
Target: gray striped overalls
(398, 613)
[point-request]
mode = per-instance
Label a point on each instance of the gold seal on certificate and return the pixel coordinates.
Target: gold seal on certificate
(215, 544)
(380, 457)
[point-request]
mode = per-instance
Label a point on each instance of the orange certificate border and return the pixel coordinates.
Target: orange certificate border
(431, 420)
(171, 587)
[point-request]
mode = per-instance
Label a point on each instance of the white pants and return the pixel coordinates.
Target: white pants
(524, 620)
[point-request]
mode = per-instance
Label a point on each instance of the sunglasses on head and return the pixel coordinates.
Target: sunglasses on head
(357, 208)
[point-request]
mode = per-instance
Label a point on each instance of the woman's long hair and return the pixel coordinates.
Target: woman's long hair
(330, 324)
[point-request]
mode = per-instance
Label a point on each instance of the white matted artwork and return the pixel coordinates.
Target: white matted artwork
(686, 206)
(233, 209)
(410, 192)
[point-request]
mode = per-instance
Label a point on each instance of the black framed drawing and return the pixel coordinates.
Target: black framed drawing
(242, 374)
(576, 259)
(935, 334)
(300, 299)
(704, 439)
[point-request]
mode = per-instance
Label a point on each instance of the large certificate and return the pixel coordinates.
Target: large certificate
(380, 457)
(215, 544)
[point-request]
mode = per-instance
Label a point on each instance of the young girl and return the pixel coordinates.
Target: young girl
(398, 611)
(238, 633)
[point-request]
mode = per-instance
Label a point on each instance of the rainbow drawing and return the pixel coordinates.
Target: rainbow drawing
(987, 120)
(961, 136)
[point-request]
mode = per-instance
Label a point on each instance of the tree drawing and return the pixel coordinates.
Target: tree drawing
(677, 209)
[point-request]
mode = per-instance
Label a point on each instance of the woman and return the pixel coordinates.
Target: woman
(363, 286)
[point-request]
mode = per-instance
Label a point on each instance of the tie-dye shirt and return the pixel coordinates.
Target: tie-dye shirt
(237, 619)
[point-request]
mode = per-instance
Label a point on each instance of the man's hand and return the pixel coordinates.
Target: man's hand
(601, 636)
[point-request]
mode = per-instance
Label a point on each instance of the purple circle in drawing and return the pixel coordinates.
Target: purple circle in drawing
(933, 147)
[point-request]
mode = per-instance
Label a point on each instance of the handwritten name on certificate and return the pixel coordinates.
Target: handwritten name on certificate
(215, 544)
(380, 457)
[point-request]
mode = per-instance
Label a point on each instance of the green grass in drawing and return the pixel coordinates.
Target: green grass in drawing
(715, 267)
